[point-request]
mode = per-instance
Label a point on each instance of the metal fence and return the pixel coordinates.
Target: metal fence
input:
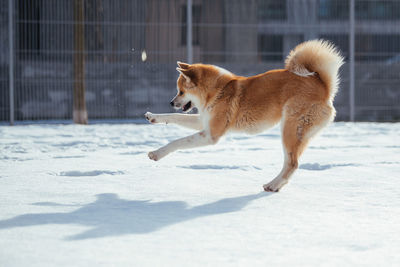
(131, 48)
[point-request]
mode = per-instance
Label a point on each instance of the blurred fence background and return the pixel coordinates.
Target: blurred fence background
(131, 48)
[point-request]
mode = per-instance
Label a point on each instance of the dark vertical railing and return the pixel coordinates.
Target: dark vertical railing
(189, 33)
(351, 61)
(11, 57)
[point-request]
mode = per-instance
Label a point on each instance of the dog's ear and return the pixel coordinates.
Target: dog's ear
(189, 75)
(182, 65)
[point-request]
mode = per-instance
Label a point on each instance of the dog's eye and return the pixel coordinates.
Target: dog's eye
(180, 93)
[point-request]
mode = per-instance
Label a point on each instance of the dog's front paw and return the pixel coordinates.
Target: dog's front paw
(150, 117)
(155, 155)
(275, 185)
(158, 154)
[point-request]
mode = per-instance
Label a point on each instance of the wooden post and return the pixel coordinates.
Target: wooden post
(79, 105)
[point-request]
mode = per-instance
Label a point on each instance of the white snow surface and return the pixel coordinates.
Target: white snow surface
(74, 195)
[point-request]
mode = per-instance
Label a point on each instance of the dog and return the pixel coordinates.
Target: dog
(300, 96)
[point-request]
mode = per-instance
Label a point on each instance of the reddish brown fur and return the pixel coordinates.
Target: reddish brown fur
(241, 103)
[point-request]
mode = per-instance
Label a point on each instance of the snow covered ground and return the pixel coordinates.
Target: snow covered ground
(75, 195)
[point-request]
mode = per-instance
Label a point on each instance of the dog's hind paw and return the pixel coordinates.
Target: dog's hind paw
(275, 185)
(149, 116)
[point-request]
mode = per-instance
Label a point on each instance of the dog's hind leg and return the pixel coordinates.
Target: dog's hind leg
(191, 121)
(298, 127)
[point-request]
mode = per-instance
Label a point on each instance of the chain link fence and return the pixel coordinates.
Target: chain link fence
(131, 48)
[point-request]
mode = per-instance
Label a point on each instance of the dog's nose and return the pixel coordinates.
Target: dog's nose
(171, 103)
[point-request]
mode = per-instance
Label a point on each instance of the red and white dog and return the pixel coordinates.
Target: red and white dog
(299, 96)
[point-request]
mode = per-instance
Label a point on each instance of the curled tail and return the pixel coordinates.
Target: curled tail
(317, 56)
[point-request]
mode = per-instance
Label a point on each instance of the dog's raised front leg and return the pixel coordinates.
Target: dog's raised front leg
(191, 121)
(196, 140)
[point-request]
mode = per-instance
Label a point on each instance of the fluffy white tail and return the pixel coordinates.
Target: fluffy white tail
(317, 56)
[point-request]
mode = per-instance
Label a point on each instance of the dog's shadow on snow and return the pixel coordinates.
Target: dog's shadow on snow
(110, 215)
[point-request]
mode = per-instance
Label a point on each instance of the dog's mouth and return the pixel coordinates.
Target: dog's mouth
(187, 106)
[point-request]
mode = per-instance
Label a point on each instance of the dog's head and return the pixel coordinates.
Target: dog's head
(196, 85)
